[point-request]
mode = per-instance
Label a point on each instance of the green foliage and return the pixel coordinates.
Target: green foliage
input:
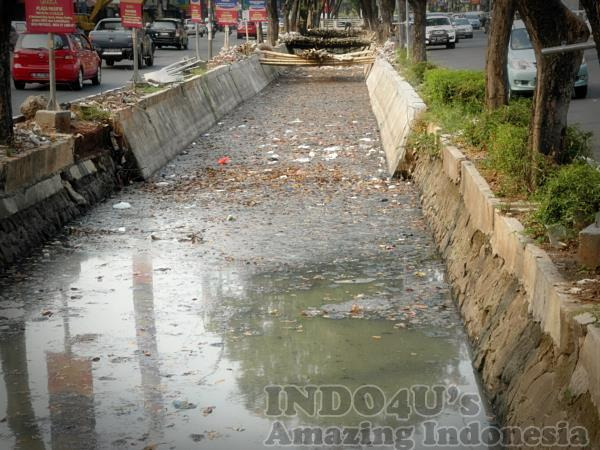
(92, 113)
(508, 155)
(570, 197)
(481, 129)
(578, 144)
(461, 88)
(420, 141)
(413, 72)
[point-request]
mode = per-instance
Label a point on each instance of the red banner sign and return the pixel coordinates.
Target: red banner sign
(257, 11)
(49, 16)
(131, 13)
(196, 11)
(226, 12)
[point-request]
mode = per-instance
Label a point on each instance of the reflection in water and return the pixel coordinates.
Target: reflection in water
(70, 394)
(145, 330)
(19, 410)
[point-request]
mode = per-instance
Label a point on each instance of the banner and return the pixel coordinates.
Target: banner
(49, 16)
(226, 12)
(258, 11)
(196, 11)
(131, 13)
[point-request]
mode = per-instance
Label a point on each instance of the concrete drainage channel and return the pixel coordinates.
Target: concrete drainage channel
(48, 187)
(538, 363)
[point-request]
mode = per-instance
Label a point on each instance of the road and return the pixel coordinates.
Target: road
(470, 54)
(120, 74)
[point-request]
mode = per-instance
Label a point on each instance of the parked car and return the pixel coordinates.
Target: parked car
(241, 29)
(439, 31)
(76, 60)
(474, 20)
(169, 32)
(190, 28)
(16, 28)
(114, 43)
(521, 65)
(463, 27)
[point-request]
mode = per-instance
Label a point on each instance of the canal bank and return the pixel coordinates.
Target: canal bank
(536, 346)
(272, 251)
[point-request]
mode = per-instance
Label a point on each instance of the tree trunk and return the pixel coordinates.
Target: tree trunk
(419, 50)
(401, 17)
(273, 22)
(551, 23)
(387, 13)
(368, 10)
(286, 16)
(592, 9)
(294, 15)
(6, 122)
(496, 78)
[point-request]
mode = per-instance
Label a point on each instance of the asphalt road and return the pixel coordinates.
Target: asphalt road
(470, 54)
(119, 74)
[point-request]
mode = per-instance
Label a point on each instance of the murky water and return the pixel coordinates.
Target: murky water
(117, 339)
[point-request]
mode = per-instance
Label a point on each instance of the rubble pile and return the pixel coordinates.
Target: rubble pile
(28, 135)
(295, 41)
(33, 104)
(232, 54)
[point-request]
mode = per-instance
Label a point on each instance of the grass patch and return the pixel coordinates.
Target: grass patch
(148, 88)
(92, 113)
(420, 141)
(464, 89)
(198, 71)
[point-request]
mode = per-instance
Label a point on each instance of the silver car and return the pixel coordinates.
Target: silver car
(521, 65)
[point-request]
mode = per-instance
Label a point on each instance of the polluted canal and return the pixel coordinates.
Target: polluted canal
(272, 252)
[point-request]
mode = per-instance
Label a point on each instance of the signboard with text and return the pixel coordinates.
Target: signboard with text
(196, 11)
(226, 12)
(131, 13)
(49, 16)
(258, 11)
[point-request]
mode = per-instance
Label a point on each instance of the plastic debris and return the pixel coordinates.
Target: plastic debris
(121, 205)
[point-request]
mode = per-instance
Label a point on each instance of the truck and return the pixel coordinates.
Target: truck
(114, 43)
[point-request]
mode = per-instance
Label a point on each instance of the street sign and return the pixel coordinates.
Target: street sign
(131, 13)
(196, 11)
(258, 11)
(226, 12)
(49, 16)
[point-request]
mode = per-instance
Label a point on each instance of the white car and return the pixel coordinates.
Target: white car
(440, 31)
(463, 27)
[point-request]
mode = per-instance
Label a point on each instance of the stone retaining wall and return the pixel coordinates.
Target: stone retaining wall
(536, 347)
(162, 124)
(396, 106)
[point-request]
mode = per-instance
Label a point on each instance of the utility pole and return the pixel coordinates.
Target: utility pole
(210, 30)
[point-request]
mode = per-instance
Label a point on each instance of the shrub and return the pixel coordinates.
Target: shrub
(570, 196)
(481, 129)
(463, 88)
(577, 144)
(508, 154)
(414, 73)
(420, 141)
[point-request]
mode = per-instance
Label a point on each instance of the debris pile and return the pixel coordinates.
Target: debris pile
(294, 41)
(316, 57)
(232, 54)
(33, 104)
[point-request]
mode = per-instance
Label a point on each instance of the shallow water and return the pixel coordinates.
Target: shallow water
(117, 339)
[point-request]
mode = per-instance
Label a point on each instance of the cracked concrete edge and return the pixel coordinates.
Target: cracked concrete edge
(396, 106)
(162, 124)
(34, 165)
(549, 302)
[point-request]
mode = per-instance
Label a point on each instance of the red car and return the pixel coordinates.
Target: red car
(76, 60)
(241, 29)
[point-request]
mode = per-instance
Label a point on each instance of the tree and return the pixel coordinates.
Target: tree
(369, 13)
(550, 23)
(401, 17)
(419, 50)
(6, 122)
(592, 10)
(496, 86)
(386, 8)
(273, 21)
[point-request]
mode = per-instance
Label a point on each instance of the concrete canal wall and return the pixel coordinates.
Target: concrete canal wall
(161, 124)
(536, 347)
(43, 189)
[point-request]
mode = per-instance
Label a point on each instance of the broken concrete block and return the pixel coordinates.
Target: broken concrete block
(57, 121)
(588, 253)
